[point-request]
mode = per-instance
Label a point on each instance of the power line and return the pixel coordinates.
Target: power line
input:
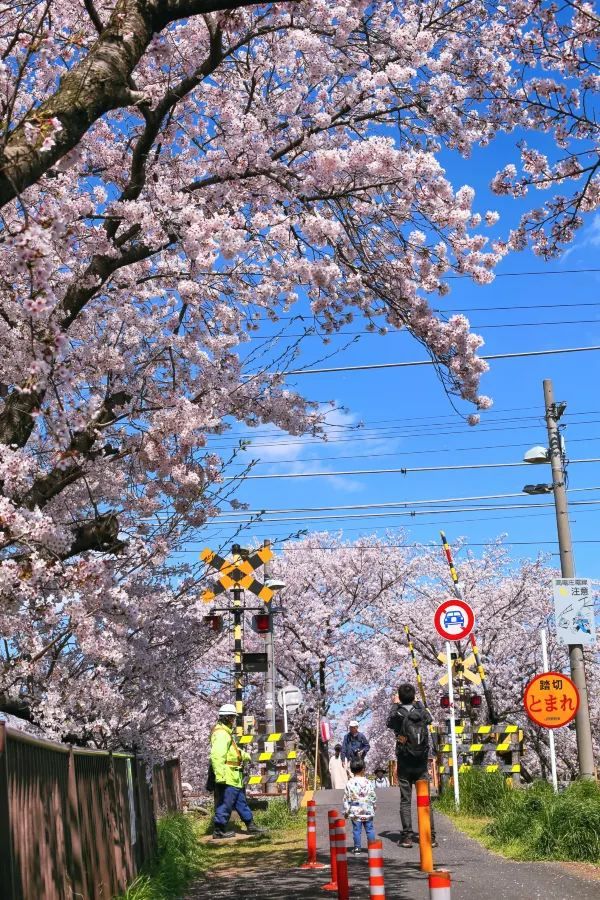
(375, 332)
(401, 471)
(428, 362)
(473, 449)
(412, 513)
(392, 504)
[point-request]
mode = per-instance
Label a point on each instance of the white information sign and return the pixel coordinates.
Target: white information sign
(574, 610)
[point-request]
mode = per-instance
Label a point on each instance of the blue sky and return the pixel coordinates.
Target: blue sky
(408, 420)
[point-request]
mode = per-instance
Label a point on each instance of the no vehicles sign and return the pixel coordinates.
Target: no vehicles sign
(454, 620)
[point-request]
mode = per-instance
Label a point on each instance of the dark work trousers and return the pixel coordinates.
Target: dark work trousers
(229, 799)
(407, 776)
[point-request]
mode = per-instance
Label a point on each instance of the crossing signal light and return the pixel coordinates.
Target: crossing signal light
(475, 701)
(262, 623)
(214, 622)
(445, 701)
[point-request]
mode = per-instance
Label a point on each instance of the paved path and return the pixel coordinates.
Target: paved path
(476, 873)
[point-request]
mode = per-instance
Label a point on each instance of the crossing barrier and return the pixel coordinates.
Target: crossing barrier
(493, 748)
(311, 838)
(376, 879)
(424, 815)
(439, 885)
(341, 860)
(332, 816)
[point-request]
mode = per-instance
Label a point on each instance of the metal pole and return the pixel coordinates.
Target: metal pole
(238, 669)
(458, 594)
(583, 728)
(550, 730)
(317, 747)
(270, 707)
(452, 725)
(285, 719)
(415, 665)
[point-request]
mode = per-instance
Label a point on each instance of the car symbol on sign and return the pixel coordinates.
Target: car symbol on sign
(454, 617)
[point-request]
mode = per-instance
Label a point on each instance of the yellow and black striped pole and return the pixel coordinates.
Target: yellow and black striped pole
(458, 593)
(238, 668)
(415, 665)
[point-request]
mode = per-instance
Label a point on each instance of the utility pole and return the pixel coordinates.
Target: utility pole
(583, 728)
(270, 708)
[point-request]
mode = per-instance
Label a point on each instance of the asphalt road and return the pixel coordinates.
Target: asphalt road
(476, 873)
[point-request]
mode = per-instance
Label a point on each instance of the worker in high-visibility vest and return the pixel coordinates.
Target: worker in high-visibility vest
(227, 763)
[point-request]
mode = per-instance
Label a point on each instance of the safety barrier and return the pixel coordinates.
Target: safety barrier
(424, 815)
(476, 744)
(311, 838)
(439, 885)
(376, 879)
(332, 816)
(341, 860)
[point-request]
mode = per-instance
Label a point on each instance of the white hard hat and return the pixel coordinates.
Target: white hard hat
(228, 709)
(353, 724)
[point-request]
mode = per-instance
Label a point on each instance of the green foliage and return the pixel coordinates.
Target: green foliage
(277, 817)
(180, 859)
(551, 826)
(481, 793)
(533, 822)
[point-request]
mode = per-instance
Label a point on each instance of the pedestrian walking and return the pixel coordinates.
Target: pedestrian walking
(227, 766)
(355, 745)
(410, 720)
(337, 770)
(360, 800)
(381, 780)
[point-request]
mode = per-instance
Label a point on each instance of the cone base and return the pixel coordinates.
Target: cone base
(330, 886)
(313, 865)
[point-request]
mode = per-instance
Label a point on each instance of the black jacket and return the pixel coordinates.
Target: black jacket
(395, 721)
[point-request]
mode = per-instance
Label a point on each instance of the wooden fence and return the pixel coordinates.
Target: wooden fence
(75, 823)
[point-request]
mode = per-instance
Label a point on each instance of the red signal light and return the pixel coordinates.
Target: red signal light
(214, 622)
(445, 701)
(475, 701)
(262, 623)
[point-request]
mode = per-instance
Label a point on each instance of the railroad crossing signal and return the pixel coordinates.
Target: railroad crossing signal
(237, 574)
(460, 667)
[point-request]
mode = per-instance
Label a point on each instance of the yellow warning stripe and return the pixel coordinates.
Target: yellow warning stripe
(476, 748)
(503, 748)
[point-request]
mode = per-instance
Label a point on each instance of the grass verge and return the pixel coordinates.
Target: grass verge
(529, 824)
(185, 852)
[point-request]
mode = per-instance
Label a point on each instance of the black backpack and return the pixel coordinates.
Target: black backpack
(413, 727)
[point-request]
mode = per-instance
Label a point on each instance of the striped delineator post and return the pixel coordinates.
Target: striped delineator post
(311, 838)
(341, 859)
(376, 881)
(424, 814)
(439, 885)
(333, 815)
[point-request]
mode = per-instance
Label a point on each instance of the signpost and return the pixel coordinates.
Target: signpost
(550, 731)
(551, 700)
(574, 611)
(454, 620)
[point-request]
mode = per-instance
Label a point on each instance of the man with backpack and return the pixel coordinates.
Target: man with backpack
(226, 776)
(410, 720)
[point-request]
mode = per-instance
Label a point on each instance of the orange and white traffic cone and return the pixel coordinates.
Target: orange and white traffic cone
(439, 885)
(342, 860)
(376, 882)
(333, 815)
(311, 838)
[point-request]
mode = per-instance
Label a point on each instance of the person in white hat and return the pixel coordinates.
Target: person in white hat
(227, 764)
(355, 746)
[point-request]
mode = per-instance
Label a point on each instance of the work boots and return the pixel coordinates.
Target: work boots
(254, 829)
(219, 834)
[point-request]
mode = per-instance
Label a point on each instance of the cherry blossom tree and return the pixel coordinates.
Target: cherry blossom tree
(172, 175)
(343, 640)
